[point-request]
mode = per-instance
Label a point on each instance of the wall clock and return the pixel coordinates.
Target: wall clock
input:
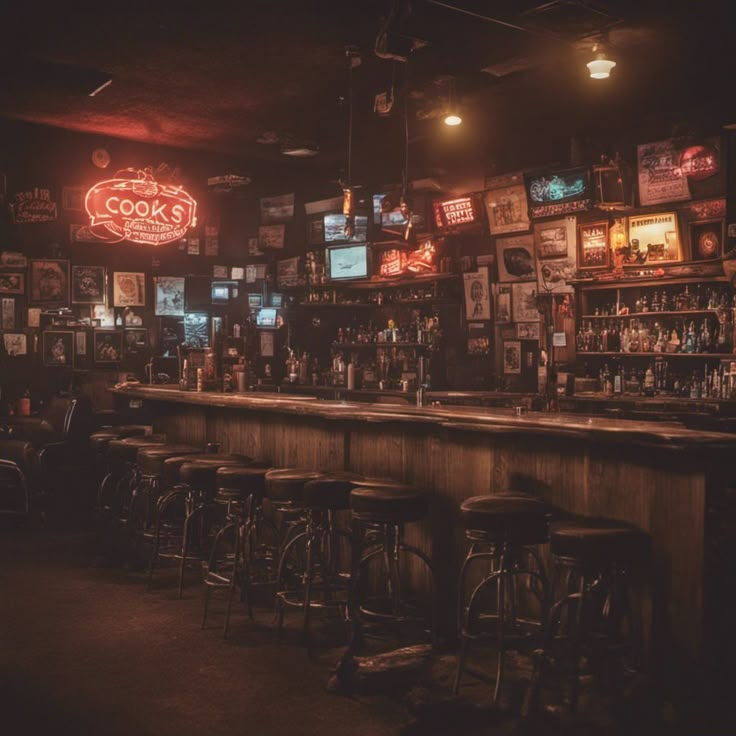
(100, 158)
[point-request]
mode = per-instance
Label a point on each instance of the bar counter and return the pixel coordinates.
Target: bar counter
(672, 481)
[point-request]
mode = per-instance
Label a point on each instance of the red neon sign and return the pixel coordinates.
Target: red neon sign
(140, 210)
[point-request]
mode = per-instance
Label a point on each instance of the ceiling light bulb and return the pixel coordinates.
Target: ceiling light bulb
(453, 119)
(600, 67)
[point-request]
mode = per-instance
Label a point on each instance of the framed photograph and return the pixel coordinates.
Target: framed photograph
(103, 315)
(512, 356)
(135, 340)
(706, 239)
(515, 258)
(57, 348)
(653, 238)
(7, 313)
(132, 317)
(72, 198)
(593, 247)
(169, 296)
(271, 237)
(33, 318)
(552, 240)
(503, 304)
(15, 343)
(49, 283)
(524, 297)
(108, 346)
(196, 329)
(477, 298)
(527, 330)
(11, 259)
(128, 289)
(88, 285)
(220, 272)
(12, 282)
(506, 204)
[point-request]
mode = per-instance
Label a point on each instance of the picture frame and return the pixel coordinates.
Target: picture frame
(12, 282)
(135, 340)
(7, 313)
(503, 304)
(593, 246)
(108, 346)
(88, 285)
(72, 198)
(512, 357)
(102, 315)
(706, 239)
(524, 299)
(57, 348)
(506, 204)
(16, 343)
(128, 289)
(80, 342)
(169, 296)
(653, 239)
(528, 330)
(477, 297)
(516, 259)
(49, 282)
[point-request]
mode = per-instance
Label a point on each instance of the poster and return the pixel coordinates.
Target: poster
(515, 258)
(136, 340)
(511, 356)
(34, 317)
(271, 237)
(7, 313)
(524, 299)
(661, 178)
(108, 346)
(196, 329)
(503, 304)
(88, 285)
(277, 209)
(49, 283)
(16, 343)
(653, 238)
(128, 289)
(169, 296)
(555, 245)
(287, 272)
(528, 330)
(477, 298)
(506, 204)
(12, 282)
(266, 344)
(57, 348)
(593, 245)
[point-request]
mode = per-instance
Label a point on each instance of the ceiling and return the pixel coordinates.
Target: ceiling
(241, 78)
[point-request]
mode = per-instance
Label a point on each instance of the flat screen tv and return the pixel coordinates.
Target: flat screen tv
(224, 291)
(334, 226)
(345, 262)
(267, 318)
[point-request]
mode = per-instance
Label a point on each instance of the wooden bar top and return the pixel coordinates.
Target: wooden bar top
(489, 421)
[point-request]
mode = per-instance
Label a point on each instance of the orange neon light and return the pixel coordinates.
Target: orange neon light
(139, 210)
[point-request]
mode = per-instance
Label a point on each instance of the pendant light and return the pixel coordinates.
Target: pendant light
(452, 118)
(600, 67)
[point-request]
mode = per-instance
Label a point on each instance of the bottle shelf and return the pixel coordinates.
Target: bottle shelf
(673, 313)
(379, 345)
(656, 355)
(373, 305)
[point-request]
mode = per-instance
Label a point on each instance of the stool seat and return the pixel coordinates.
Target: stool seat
(391, 502)
(201, 473)
(286, 485)
(125, 450)
(507, 518)
(151, 459)
(235, 483)
(172, 465)
(130, 430)
(98, 441)
(331, 491)
(600, 542)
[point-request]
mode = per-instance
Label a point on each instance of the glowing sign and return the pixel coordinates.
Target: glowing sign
(140, 210)
(699, 162)
(558, 193)
(454, 212)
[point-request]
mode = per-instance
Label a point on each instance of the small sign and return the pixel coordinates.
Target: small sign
(271, 237)
(456, 212)
(559, 340)
(34, 205)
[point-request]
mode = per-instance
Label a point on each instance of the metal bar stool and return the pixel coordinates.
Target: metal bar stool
(322, 498)
(381, 509)
(183, 515)
(594, 559)
(236, 547)
(504, 531)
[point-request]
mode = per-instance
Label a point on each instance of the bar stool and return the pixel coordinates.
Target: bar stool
(241, 490)
(322, 498)
(596, 557)
(182, 514)
(381, 509)
(504, 531)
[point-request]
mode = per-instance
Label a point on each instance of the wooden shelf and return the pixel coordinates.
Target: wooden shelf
(674, 313)
(382, 345)
(665, 281)
(376, 283)
(658, 355)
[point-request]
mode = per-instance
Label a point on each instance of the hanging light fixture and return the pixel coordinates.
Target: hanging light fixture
(600, 67)
(452, 118)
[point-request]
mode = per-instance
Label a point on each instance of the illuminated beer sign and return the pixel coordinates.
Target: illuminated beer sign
(139, 210)
(456, 212)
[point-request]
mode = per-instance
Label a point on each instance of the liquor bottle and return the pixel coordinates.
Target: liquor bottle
(649, 381)
(617, 381)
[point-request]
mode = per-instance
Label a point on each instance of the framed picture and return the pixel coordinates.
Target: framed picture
(136, 340)
(706, 239)
(88, 285)
(515, 258)
(12, 282)
(80, 339)
(503, 304)
(653, 238)
(7, 313)
(128, 289)
(593, 247)
(477, 298)
(196, 329)
(271, 237)
(527, 330)
(552, 239)
(512, 356)
(103, 315)
(525, 302)
(169, 296)
(57, 348)
(72, 198)
(49, 283)
(132, 317)
(506, 204)
(33, 318)
(15, 343)
(108, 346)
(11, 259)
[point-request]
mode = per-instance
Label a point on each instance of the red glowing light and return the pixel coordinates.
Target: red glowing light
(455, 212)
(140, 210)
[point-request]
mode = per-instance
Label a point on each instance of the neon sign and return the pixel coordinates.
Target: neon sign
(455, 212)
(139, 210)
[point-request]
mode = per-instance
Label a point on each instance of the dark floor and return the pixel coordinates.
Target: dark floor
(87, 649)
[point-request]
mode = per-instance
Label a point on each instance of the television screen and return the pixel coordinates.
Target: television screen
(335, 229)
(348, 262)
(224, 291)
(267, 318)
